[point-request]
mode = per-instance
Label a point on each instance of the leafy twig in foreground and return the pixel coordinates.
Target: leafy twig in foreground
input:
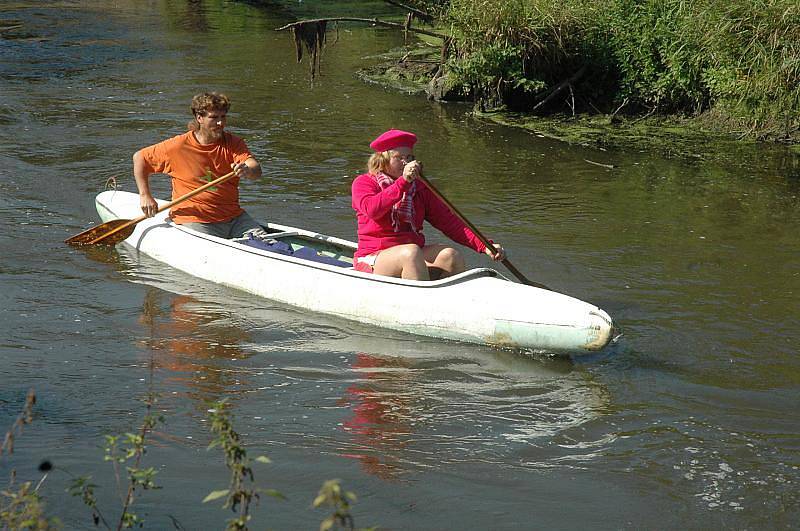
(238, 496)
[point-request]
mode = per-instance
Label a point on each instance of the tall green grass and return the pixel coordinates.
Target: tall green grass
(753, 64)
(739, 59)
(507, 52)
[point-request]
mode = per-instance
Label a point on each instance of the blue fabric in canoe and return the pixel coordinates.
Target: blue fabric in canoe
(306, 253)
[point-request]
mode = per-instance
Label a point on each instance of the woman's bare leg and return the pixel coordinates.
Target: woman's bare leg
(404, 261)
(443, 261)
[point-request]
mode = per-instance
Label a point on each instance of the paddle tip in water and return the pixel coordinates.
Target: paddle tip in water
(116, 230)
(109, 233)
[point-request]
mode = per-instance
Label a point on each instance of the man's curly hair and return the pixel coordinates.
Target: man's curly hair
(206, 102)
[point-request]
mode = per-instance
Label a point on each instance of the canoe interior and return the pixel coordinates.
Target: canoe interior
(324, 248)
(318, 243)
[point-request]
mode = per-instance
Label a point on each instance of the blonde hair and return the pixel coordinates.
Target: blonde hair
(378, 162)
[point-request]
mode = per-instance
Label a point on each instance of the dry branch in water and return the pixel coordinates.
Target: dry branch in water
(421, 15)
(373, 21)
(311, 34)
(609, 166)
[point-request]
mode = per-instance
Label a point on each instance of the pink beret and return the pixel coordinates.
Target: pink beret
(393, 138)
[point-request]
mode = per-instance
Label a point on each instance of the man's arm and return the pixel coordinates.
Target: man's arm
(141, 173)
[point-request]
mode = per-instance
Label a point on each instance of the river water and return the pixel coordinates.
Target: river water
(689, 421)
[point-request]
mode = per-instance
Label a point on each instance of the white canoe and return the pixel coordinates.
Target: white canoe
(477, 306)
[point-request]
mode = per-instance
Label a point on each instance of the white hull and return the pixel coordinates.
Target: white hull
(477, 306)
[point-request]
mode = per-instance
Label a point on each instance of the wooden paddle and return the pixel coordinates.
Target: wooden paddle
(116, 230)
(480, 235)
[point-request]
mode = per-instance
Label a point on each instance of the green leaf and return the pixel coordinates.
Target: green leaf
(327, 524)
(215, 495)
(274, 493)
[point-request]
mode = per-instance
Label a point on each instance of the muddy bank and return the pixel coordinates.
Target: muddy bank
(408, 70)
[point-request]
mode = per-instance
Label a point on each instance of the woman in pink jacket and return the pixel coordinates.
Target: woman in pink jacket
(391, 205)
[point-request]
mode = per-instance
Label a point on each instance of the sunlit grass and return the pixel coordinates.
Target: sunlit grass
(739, 58)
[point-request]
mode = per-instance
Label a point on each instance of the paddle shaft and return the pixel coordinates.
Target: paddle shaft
(171, 204)
(479, 234)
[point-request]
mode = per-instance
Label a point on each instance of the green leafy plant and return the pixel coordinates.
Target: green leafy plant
(511, 53)
(737, 60)
(82, 487)
(240, 492)
(331, 494)
(22, 508)
(132, 450)
(122, 450)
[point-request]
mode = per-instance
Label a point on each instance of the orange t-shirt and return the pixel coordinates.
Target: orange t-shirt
(187, 162)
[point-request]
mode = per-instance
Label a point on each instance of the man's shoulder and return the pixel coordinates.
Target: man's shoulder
(182, 138)
(234, 141)
(172, 141)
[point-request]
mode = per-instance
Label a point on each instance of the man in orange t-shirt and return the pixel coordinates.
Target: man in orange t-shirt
(194, 158)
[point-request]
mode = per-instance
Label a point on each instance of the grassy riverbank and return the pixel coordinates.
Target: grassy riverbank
(736, 63)
(610, 72)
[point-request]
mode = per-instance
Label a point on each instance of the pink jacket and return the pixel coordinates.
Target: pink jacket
(373, 208)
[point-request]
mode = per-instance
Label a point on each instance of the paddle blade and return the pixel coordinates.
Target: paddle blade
(108, 233)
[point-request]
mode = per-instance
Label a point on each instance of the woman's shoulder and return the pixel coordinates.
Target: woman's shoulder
(364, 179)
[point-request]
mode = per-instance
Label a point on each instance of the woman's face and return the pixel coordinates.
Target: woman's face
(398, 158)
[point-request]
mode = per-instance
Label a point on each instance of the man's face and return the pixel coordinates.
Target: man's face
(213, 123)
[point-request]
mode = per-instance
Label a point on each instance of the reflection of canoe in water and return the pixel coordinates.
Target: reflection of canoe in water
(313, 271)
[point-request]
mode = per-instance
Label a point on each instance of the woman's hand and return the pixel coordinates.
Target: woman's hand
(412, 170)
(498, 254)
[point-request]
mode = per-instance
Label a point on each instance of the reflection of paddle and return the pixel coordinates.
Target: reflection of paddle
(478, 233)
(116, 230)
